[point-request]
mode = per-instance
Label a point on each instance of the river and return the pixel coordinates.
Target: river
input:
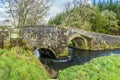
(76, 57)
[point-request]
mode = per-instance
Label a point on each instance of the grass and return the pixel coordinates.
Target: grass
(103, 68)
(20, 64)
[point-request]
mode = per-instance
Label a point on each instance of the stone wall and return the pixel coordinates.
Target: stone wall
(97, 41)
(52, 38)
(102, 41)
(4, 34)
(56, 39)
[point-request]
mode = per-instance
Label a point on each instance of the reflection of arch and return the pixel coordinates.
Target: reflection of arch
(48, 52)
(77, 41)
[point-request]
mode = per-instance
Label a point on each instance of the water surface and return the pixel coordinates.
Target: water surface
(76, 57)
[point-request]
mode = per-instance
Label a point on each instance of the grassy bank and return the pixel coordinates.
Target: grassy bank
(103, 68)
(20, 64)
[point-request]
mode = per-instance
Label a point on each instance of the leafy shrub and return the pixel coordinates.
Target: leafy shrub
(104, 68)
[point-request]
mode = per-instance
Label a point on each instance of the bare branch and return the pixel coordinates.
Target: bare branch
(27, 12)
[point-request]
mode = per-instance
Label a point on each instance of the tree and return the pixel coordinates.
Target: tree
(79, 17)
(57, 19)
(27, 12)
(97, 21)
(111, 5)
(100, 17)
(111, 22)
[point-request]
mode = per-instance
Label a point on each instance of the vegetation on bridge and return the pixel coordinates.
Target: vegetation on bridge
(102, 16)
(104, 68)
(20, 64)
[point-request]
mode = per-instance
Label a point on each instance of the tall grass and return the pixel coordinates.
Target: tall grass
(104, 68)
(20, 64)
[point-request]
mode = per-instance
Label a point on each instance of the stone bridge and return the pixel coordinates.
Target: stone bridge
(57, 39)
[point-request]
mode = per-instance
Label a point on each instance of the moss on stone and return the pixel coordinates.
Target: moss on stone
(63, 53)
(74, 45)
(104, 47)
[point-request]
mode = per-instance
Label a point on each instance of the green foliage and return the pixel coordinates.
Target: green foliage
(101, 17)
(111, 5)
(97, 21)
(70, 43)
(20, 64)
(77, 18)
(2, 51)
(111, 22)
(57, 20)
(103, 68)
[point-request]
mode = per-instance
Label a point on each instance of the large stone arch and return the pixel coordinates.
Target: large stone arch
(47, 51)
(78, 41)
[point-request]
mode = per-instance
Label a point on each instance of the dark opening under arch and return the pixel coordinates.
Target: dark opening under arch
(44, 52)
(77, 41)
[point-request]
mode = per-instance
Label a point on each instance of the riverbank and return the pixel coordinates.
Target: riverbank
(20, 64)
(103, 68)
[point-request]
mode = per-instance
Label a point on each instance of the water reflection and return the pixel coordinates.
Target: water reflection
(77, 57)
(63, 60)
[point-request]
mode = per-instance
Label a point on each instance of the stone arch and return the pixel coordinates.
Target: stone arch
(78, 41)
(47, 52)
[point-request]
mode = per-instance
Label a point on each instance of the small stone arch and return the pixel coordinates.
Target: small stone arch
(78, 41)
(49, 52)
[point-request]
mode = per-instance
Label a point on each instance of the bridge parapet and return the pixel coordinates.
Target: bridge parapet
(103, 41)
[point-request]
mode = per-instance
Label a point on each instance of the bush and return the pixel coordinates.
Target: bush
(104, 68)
(20, 64)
